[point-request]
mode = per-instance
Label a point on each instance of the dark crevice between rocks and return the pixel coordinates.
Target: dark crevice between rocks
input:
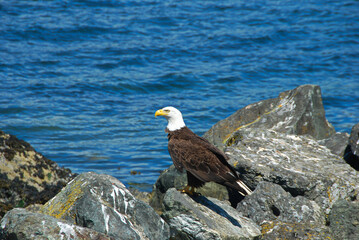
(83, 222)
(8, 236)
(295, 192)
(353, 198)
(327, 221)
(285, 185)
(275, 210)
(350, 158)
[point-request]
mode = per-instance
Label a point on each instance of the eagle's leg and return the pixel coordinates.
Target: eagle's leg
(188, 189)
(192, 183)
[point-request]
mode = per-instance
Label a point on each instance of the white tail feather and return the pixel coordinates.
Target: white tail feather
(244, 187)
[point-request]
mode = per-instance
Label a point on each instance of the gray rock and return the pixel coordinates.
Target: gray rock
(22, 224)
(276, 210)
(205, 218)
(270, 202)
(344, 220)
(282, 230)
(26, 176)
(336, 143)
(299, 111)
(169, 178)
(354, 140)
(103, 203)
(298, 164)
(172, 178)
(352, 151)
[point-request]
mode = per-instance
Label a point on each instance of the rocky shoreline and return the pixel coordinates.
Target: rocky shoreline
(304, 175)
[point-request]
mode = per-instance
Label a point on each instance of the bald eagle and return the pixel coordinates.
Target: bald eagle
(203, 161)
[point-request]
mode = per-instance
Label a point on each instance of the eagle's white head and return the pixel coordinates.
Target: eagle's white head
(173, 116)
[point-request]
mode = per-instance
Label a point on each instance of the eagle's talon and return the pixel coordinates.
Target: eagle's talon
(189, 190)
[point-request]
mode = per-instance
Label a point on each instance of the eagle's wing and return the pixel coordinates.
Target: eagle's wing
(176, 154)
(202, 159)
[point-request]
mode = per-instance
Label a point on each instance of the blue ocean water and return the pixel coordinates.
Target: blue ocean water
(81, 80)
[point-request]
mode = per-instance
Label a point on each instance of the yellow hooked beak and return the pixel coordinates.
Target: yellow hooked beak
(161, 113)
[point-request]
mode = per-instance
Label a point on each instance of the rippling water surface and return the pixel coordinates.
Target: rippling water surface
(81, 80)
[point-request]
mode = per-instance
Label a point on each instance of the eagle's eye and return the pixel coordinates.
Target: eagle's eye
(167, 110)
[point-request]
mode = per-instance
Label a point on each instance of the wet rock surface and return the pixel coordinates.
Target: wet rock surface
(26, 176)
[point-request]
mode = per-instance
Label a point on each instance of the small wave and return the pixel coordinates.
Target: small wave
(12, 110)
(107, 66)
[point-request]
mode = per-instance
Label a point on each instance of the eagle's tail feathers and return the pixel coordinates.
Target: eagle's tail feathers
(244, 187)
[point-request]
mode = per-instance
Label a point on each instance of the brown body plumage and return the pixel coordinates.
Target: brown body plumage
(203, 161)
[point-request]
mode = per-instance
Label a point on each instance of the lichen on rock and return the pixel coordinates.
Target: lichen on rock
(26, 176)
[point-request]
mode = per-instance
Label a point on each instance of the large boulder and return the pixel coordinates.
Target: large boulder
(299, 111)
(283, 216)
(26, 176)
(205, 218)
(102, 203)
(298, 164)
(25, 225)
(271, 202)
